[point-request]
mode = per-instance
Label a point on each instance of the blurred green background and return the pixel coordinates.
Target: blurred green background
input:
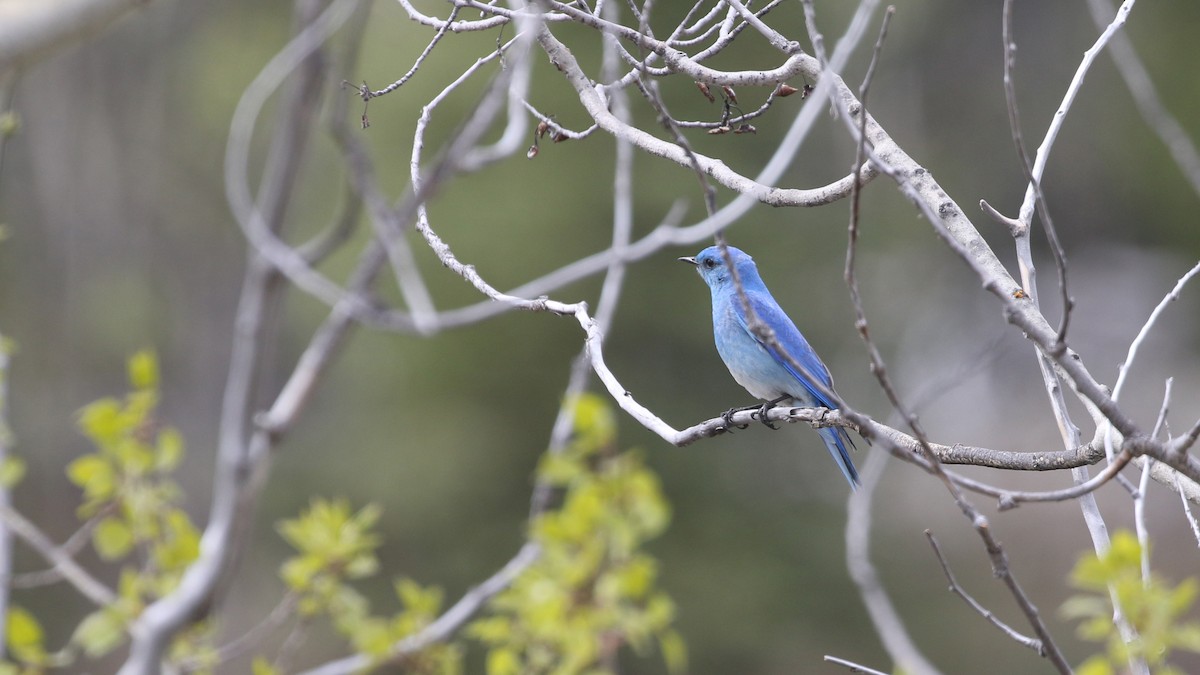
(121, 238)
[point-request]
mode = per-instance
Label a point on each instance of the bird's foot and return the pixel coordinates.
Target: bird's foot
(727, 416)
(761, 413)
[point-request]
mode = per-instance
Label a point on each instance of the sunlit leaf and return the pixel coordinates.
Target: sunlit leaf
(112, 538)
(100, 632)
(143, 370)
(503, 661)
(261, 666)
(12, 470)
(25, 636)
(168, 451)
(674, 651)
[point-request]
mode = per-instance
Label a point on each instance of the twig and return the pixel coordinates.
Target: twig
(854, 667)
(70, 547)
(999, 558)
(6, 437)
(1034, 179)
(238, 477)
(445, 624)
(1140, 338)
(366, 93)
(1032, 643)
(279, 615)
(1187, 510)
(1139, 502)
(73, 572)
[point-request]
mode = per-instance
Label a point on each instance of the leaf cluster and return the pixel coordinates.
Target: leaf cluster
(336, 546)
(1156, 609)
(132, 508)
(593, 590)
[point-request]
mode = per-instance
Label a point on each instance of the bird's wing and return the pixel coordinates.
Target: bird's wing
(791, 340)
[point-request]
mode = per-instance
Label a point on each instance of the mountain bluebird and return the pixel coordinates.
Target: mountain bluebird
(762, 370)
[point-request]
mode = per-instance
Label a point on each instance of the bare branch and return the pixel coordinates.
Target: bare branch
(854, 667)
(6, 438)
(1021, 233)
(999, 558)
(241, 458)
(1024, 640)
(87, 585)
(1187, 510)
(445, 624)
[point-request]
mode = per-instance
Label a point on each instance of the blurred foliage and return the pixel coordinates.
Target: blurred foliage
(1154, 608)
(131, 506)
(593, 589)
(336, 546)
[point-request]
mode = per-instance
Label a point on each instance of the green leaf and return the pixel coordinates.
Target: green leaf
(12, 470)
(493, 630)
(143, 370)
(100, 632)
(168, 451)
(1085, 607)
(10, 123)
(25, 636)
(112, 538)
(1097, 665)
(261, 666)
(418, 600)
(180, 542)
(102, 421)
(94, 474)
(674, 651)
(503, 662)
(594, 420)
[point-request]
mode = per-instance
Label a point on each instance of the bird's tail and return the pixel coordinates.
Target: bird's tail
(836, 439)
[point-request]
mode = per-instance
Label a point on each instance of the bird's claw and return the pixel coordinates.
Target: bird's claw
(762, 412)
(761, 416)
(727, 417)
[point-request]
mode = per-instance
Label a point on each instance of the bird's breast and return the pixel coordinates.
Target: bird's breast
(750, 364)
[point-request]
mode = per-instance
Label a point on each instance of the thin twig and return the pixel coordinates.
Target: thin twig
(240, 470)
(999, 558)
(6, 438)
(1187, 510)
(854, 667)
(1034, 179)
(83, 581)
(449, 621)
(1024, 640)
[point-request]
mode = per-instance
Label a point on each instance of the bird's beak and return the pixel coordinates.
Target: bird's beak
(690, 261)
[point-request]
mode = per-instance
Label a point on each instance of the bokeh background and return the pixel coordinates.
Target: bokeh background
(120, 238)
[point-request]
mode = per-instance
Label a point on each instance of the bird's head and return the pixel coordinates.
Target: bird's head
(715, 272)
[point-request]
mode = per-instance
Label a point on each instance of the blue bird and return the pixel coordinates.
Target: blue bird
(763, 371)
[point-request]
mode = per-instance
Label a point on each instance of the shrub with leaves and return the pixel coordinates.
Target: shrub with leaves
(1156, 610)
(592, 590)
(131, 507)
(336, 546)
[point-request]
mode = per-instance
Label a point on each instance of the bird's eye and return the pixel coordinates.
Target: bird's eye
(710, 263)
